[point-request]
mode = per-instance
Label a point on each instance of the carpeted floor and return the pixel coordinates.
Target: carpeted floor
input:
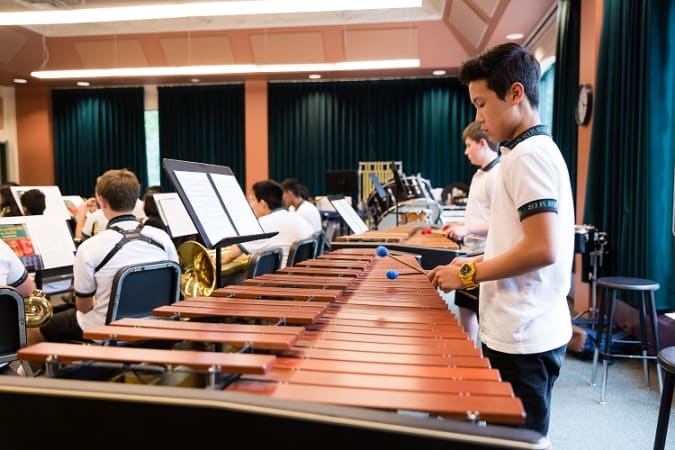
(627, 421)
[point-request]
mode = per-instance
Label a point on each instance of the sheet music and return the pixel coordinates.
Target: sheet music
(174, 214)
(354, 222)
(54, 204)
(50, 238)
(206, 205)
(53, 240)
(236, 203)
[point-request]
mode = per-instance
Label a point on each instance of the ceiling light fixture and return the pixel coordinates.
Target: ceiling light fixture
(232, 69)
(83, 83)
(197, 9)
(314, 76)
(438, 73)
(20, 80)
(514, 36)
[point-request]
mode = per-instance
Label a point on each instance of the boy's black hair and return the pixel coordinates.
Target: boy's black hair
(294, 186)
(270, 191)
(34, 201)
(503, 65)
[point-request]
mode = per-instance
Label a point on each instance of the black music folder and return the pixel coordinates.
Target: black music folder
(215, 202)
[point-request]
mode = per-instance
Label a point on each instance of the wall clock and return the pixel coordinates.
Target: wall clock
(582, 113)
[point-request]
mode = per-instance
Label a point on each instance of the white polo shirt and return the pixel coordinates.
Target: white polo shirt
(12, 270)
(87, 282)
(480, 195)
(94, 223)
(529, 313)
(291, 228)
(311, 214)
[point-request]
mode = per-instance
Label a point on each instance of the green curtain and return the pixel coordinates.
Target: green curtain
(629, 191)
(203, 124)
(96, 130)
(320, 126)
(660, 142)
(564, 128)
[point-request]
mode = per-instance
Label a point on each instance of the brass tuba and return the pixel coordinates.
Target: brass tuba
(38, 309)
(198, 268)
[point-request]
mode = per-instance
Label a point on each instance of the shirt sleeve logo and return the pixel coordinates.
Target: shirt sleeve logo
(537, 206)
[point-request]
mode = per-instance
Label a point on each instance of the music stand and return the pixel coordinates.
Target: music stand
(398, 184)
(216, 204)
(378, 186)
(348, 215)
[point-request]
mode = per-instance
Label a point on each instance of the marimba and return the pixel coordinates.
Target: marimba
(433, 248)
(342, 334)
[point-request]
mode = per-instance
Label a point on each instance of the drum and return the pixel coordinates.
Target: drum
(409, 215)
(412, 188)
(419, 211)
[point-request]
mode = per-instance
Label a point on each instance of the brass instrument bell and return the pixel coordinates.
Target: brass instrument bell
(198, 267)
(38, 309)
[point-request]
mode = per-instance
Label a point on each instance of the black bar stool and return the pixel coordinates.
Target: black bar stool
(603, 340)
(666, 359)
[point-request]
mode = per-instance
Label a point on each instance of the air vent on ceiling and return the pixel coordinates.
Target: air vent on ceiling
(44, 4)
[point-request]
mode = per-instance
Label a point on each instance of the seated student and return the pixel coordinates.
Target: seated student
(152, 217)
(296, 201)
(90, 219)
(8, 206)
(33, 202)
(267, 204)
(100, 257)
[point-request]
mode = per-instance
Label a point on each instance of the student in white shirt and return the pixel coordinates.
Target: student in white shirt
(296, 201)
(268, 207)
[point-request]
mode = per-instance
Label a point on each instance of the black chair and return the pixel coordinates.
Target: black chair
(666, 360)
(322, 243)
(301, 250)
(264, 261)
(12, 327)
(139, 288)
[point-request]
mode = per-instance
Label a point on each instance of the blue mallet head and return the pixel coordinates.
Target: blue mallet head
(392, 274)
(381, 251)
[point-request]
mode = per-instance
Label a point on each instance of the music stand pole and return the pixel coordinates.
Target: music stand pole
(396, 202)
(219, 267)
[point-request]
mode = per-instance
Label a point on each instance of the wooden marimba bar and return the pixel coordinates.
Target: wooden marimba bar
(350, 337)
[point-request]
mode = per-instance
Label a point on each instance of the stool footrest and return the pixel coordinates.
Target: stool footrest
(615, 355)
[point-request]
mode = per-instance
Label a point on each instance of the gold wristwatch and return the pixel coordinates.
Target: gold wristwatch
(467, 272)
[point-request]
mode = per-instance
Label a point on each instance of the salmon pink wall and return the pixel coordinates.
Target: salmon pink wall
(256, 132)
(34, 136)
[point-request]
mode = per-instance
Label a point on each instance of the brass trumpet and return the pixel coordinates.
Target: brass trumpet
(38, 309)
(198, 267)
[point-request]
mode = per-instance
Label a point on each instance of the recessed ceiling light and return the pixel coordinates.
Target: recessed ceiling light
(438, 72)
(20, 81)
(514, 36)
(195, 80)
(314, 76)
(83, 83)
(196, 9)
